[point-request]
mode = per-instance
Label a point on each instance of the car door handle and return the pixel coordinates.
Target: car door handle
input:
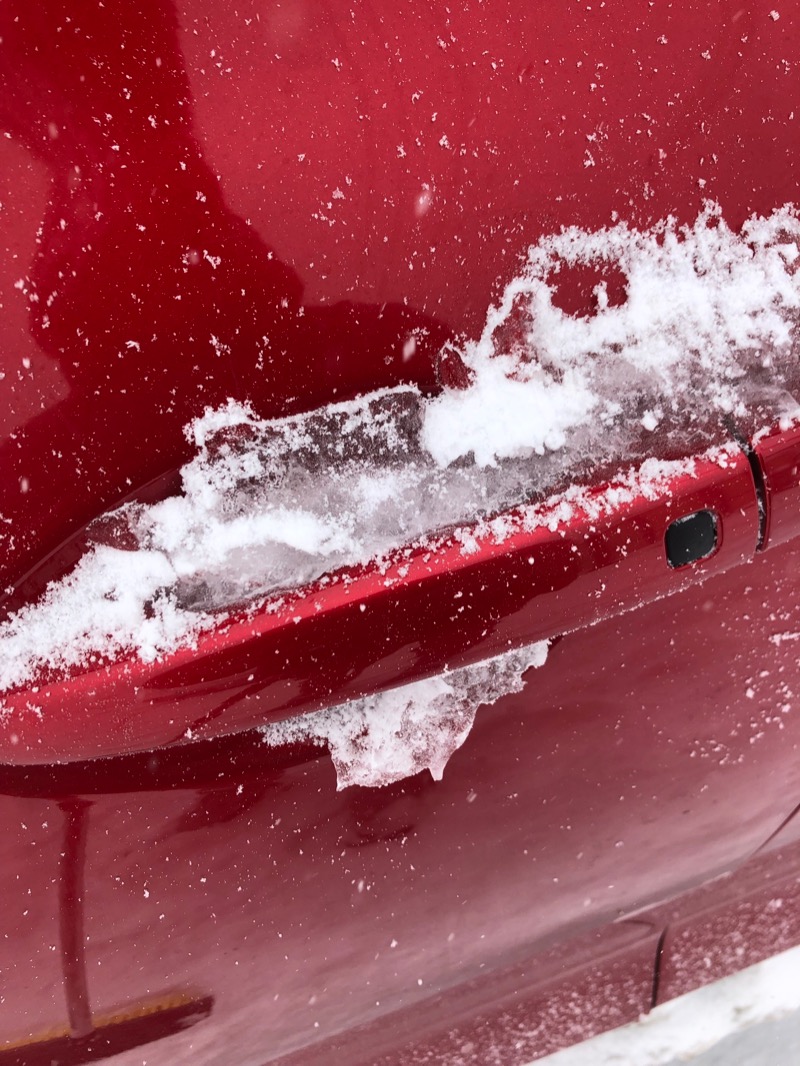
(529, 575)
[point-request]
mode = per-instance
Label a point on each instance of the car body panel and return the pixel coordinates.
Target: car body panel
(562, 813)
(179, 185)
(547, 121)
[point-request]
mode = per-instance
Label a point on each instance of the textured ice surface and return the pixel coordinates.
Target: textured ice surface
(394, 734)
(706, 330)
(271, 504)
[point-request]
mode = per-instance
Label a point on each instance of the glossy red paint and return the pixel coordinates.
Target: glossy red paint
(731, 923)
(169, 182)
(611, 782)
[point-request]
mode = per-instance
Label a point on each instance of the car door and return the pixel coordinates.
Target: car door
(214, 204)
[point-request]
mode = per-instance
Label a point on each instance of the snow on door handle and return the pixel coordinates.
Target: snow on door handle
(530, 574)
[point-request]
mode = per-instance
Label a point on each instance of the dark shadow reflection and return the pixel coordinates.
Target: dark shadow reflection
(154, 298)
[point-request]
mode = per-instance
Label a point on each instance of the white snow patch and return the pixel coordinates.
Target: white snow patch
(689, 1025)
(391, 735)
(704, 306)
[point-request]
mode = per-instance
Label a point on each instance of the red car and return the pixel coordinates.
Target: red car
(399, 471)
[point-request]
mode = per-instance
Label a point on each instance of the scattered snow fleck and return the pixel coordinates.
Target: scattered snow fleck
(383, 738)
(779, 638)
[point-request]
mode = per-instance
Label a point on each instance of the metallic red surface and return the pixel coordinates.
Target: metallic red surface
(778, 456)
(731, 923)
(170, 189)
(552, 999)
(611, 782)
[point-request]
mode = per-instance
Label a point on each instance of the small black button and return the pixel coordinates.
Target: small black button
(691, 538)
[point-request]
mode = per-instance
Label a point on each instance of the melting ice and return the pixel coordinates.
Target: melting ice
(391, 735)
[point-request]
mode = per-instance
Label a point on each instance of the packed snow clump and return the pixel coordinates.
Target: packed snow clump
(394, 734)
(704, 308)
(707, 329)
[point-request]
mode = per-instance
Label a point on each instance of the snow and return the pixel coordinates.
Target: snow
(708, 327)
(685, 1027)
(97, 611)
(703, 307)
(391, 735)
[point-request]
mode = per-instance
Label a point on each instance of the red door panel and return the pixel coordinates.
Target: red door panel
(434, 608)
(32, 997)
(265, 201)
(730, 924)
(589, 796)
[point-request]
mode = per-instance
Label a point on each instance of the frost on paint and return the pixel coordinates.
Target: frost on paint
(707, 333)
(394, 734)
